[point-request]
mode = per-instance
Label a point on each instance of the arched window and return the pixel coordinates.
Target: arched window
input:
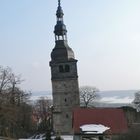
(67, 68)
(61, 69)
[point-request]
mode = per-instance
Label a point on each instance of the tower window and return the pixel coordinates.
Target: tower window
(67, 116)
(61, 69)
(65, 100)
(67, 68)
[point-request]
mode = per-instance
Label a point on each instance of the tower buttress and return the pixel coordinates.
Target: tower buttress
(64, 78)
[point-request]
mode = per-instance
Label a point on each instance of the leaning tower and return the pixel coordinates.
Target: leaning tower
(64, 78)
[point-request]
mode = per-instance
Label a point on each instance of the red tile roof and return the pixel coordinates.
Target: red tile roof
(113, 118)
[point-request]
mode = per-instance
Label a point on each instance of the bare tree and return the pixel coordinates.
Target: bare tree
(136, 101)
(88, 94)
(42, 109)
(42, 106)
(9, 86)
(15, 113)
(5, 78)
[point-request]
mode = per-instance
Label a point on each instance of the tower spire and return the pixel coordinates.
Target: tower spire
(60, 30)
(59, 2)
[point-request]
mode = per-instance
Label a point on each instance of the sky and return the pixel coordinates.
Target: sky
(104, 35)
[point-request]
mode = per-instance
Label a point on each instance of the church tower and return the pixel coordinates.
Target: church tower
(64, 78)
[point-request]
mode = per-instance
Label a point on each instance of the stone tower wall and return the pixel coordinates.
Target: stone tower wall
(65, 99)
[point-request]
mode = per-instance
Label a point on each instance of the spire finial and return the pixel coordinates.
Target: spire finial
(59, 2)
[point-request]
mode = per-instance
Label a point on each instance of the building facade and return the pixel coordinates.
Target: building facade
(113, 118)
(64, 78)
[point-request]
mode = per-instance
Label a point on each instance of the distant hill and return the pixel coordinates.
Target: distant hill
(117, 96)
(114, 98)
(37, 94)
(119, 93)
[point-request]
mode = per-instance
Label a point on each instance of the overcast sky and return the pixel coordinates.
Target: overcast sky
(104, 34)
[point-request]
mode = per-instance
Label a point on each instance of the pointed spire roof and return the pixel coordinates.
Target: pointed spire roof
(59, 2)
(59, 12)
(60, 28)
(61, 52)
